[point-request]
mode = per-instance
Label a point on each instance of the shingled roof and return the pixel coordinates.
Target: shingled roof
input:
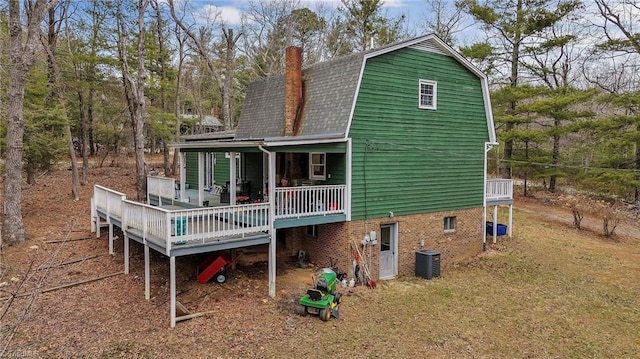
(329, 95)
(329, 91)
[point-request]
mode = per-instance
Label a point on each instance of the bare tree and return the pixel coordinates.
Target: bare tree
(55, 90)
(134, 88)
(223, 81)
(22, 57)
(443, 19)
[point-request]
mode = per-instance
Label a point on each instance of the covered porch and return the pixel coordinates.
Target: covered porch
(305, 180)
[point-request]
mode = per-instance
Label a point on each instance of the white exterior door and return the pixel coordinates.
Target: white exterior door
(388, 250)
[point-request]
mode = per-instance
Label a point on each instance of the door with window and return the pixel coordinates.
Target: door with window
(388, 250)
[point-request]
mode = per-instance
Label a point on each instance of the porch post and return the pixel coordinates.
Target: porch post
(93, 214)
(126, 254)
(272, 219)
(147, 274)
(98, 224)
(484, 227)
(111, 238)
(510, 219)
(200, 177)
(232, 179)
(495, 223)
(183, 174)
(172, 285)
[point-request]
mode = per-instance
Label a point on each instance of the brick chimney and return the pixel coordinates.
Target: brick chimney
(292, 90)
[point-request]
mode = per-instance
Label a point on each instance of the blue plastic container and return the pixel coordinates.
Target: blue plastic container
(501, 229)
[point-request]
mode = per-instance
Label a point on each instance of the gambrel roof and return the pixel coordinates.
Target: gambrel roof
(330, 90)
(330, 93)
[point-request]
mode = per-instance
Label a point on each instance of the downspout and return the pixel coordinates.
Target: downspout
(272, 215)
(487, 148)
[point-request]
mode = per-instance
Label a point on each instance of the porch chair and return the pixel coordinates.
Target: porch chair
(216, 190)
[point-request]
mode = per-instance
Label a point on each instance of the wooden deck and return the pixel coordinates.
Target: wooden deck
(498, 191)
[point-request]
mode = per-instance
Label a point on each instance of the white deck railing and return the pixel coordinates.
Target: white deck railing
(162, 187)
(195, 226)
(108, 201)
(499, 189)
(296, 202)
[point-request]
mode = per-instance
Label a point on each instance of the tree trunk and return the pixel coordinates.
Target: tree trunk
(22, 58)
(55, 90)
(515, 61)
(134, 92)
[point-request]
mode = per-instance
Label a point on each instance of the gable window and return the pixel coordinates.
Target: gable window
(449, 224)
(318, 166)
(428, 95)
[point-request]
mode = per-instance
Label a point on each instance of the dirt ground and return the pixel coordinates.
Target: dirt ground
(109, 317)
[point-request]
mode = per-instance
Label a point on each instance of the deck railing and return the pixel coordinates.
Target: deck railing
(296, 202)
(108, 201)
(195, 226)
(499, 189)
(161, 187)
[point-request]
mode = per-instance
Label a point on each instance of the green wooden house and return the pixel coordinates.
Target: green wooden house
(384, 149)
(379, 154)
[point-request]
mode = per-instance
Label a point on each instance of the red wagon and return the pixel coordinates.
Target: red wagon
(215, 265)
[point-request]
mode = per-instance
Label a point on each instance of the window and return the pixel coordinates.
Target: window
(428, 94)
(312, 231)
(317, 166)
(449, 224)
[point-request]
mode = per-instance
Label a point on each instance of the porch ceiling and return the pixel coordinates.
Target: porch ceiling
(277, 144)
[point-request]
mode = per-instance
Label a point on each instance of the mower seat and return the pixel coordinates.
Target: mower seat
(314, 294)
(322, 284)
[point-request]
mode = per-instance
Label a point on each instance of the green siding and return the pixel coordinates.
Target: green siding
(221, 169)
(191, 177)
(407, 160)
(336, 167)
(252, 171)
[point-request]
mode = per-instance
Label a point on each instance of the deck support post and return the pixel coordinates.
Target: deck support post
(484, 228)
(510, 220)
(98, 226)
(126, 254)
(111, 238)
(147, 274)
(495, 224)
(172, 285)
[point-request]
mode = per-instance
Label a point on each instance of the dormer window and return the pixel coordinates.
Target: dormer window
(428, 95)
(318, 166)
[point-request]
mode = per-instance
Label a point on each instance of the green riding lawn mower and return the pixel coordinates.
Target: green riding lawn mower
(322, 300)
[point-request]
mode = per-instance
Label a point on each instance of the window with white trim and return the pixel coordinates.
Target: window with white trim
(428, 95)
(449, 224)
(318, 166)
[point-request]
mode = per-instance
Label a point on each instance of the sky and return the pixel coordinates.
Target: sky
(231, 10)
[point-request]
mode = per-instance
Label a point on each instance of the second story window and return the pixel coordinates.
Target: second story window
(318, 166)
(428, 95)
